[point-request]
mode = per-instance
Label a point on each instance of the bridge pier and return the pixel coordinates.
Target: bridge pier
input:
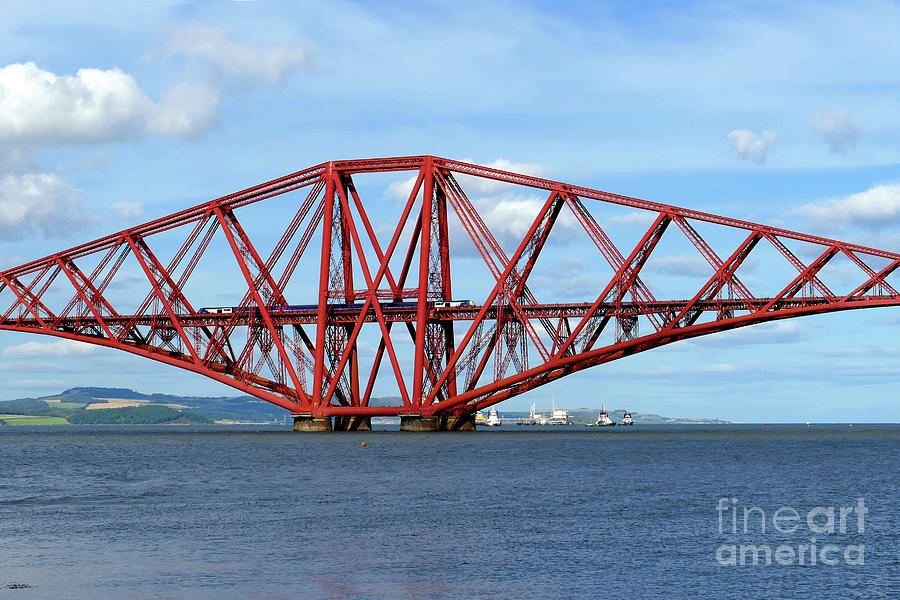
(458, 423)
(407, 423)
(353, 423)
(311, 423)
(437, 423)
(419, 423)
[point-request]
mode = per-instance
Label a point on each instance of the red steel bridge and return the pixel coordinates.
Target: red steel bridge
(350, 280)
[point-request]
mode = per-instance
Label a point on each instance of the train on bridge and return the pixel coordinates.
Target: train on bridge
(348, 307)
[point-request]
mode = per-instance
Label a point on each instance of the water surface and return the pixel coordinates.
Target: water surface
(517, 512)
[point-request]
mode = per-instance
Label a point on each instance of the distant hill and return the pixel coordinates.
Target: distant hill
(123, 406)
(73, 408)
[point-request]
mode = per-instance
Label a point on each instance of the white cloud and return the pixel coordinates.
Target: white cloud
(239, 63)
(93, 106)
(839, 130)
(751, 146)
(39, 203)
(877, 207)
(61, 348)
(482, 185)
(186, 111)
(685, 266)
(127, 210)
(509, 216)
(400, 190)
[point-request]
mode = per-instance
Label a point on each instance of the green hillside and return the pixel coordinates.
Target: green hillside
(70, 407)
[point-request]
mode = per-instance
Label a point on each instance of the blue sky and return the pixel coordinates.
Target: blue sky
(788, 115)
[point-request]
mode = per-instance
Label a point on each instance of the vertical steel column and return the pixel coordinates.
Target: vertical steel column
(322, 316)
(349, 296)
(444, 244)
(424, 266)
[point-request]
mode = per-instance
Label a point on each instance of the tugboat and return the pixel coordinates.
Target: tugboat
(603, 419)
(493, 418)
(626, 419)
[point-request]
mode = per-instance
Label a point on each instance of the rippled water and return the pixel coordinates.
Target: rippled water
(125, 512)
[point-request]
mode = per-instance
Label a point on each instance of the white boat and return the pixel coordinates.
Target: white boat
(603, 419)
(493, 418)
(558, 416)
(534, 418)
(626, 419)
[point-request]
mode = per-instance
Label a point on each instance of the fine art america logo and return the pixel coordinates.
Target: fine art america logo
(819, 529)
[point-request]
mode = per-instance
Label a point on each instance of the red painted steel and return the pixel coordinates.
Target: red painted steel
(261, 346)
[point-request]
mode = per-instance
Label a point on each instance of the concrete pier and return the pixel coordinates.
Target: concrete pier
(458, 423)
(310, 423)
(353, 423)
(434, 423)
(407, 423)
(418, 423)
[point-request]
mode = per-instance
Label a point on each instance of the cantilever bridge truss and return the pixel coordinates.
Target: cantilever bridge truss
(445, 354)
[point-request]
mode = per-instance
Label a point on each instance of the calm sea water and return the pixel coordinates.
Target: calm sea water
(255, 512)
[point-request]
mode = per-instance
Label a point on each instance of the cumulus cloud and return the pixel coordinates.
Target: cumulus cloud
(877, 207)
(39, 203)
(61, 348)
(240, 63)
(94, 106)
(839, 130)
(751, 146)
(509, 216)
(127, 210)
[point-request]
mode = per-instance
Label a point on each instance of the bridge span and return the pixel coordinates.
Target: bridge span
(446, 357)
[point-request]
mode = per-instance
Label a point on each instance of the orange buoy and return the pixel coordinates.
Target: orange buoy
(363, 444)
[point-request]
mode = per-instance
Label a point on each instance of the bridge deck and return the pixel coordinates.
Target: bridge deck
(407, 314)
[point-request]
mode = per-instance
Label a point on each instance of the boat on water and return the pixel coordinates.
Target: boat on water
(603, 419)
(534, 418)
(493, 418)
(479, 418)
(626, 419)
(558, 416)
